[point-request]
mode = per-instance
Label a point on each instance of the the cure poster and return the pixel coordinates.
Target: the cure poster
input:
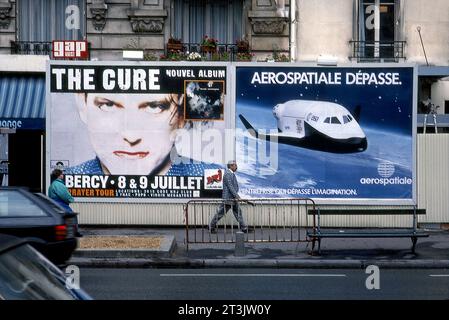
(136, 130)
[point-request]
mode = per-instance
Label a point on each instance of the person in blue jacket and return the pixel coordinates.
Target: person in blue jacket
(59, 193)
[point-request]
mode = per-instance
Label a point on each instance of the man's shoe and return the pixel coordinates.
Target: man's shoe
(247, 230)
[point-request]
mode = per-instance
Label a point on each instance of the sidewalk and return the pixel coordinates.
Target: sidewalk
(431, 252)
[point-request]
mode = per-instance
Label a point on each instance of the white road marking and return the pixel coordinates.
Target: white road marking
(438, 275)
(248, 275)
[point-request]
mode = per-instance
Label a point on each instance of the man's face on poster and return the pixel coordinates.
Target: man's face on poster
(131, 133)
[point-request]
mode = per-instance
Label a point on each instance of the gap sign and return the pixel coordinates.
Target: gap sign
(63, 49)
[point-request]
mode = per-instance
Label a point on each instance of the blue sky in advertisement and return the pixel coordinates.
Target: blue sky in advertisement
(382, 170)
(381, 106)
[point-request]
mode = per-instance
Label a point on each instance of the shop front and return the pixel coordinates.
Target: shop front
(22, 130)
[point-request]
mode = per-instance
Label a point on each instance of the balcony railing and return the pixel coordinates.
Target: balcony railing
(377, 51)
(223, 52)
(31, 47)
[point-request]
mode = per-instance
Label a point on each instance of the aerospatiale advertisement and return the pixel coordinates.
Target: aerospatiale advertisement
(339, 133)
(136, 130)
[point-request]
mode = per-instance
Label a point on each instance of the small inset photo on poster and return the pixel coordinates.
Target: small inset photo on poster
(203, 100)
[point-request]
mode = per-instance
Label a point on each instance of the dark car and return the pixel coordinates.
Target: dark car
(25, 274)
(34, 215)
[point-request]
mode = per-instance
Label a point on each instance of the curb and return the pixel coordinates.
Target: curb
(255, 263)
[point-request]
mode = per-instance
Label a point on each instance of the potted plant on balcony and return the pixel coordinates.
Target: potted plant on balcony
(174, 44)
(242, 45)
(281, 57)
(209, 45)
(220, 56)
(244, 56)
(194, 56)
(172, 56)
(150, 56)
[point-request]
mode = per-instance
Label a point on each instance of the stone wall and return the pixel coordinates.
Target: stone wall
(269, 22)
(7, 25)
(433, 19)
(115, 25)
(324, 28)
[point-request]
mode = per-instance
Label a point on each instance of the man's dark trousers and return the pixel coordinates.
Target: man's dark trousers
(223, 208)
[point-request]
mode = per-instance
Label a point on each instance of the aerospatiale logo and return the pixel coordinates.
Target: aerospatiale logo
(386, 170)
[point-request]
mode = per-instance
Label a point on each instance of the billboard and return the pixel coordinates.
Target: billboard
(327, 133)
(136, 130)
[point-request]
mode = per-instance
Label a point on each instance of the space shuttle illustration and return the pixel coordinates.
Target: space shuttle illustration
(316, 125)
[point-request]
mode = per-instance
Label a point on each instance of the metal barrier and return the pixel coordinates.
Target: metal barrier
(269, 220)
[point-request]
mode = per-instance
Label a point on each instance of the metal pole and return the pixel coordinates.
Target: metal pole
(422, 44)
(239, 244)
(414, 219)
(186, 210)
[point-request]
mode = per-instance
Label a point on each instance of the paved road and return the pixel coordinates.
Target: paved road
(260, 284)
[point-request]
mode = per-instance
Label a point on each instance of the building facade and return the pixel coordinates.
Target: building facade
(329, 32)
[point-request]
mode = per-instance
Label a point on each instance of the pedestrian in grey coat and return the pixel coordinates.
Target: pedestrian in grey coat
(230, 195)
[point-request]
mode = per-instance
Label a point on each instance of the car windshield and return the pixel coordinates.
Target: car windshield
(26, 275)
(15, 204)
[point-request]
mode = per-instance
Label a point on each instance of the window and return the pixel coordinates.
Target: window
(25, 275)
(219, 19)
(14, 204)
(327, 120)
(335, 120)
(47, 20)
(347, 118)
(377, 27)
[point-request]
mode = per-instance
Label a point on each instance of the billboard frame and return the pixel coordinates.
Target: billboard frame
(230, 121)
(48, 116)
(358, 201)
